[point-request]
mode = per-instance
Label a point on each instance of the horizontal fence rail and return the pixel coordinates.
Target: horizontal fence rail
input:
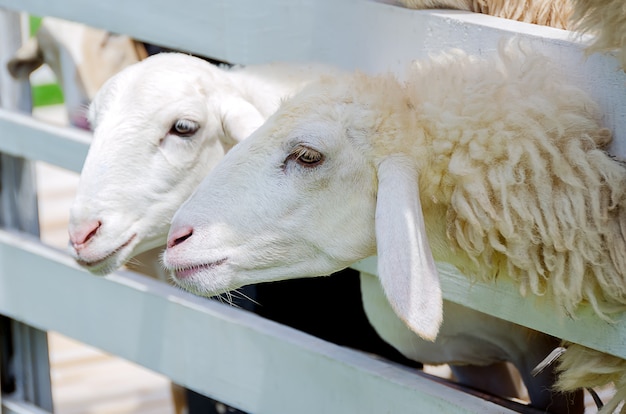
(234, 356)
(504, 300)
(26, 137)
(243, 359)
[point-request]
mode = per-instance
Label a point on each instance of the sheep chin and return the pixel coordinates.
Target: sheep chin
(110, 261)
(189, 272)
(210, 279)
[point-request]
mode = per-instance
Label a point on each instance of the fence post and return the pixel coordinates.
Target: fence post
(23, 349)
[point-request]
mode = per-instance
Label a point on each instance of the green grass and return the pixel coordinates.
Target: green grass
(49, 94)
(34, 22)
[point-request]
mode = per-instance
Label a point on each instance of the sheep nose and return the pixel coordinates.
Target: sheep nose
(177, 236)
(81, 234)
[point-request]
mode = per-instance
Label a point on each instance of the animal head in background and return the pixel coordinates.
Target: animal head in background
(81, 57)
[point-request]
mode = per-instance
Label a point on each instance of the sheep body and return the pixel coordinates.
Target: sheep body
(528, 187)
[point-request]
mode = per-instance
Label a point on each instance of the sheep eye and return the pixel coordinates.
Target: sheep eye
(184, 128)
(307, 157)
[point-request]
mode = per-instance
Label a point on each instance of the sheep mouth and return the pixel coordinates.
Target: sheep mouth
(187, 272)
(97, 262)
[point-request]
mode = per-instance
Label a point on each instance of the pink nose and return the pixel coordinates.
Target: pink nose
(179, 235)
(81, 234)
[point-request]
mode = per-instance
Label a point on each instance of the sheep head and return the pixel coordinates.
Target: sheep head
(159, 126)
(305, 196)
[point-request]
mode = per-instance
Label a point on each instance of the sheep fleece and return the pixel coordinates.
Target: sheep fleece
(516, 160)
(553, 13)
(606, 19)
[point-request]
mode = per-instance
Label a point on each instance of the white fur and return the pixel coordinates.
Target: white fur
(415, 294)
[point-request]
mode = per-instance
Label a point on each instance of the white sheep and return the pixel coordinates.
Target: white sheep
(497, 166)
(133, 115)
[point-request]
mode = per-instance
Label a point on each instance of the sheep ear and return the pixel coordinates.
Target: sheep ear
(240, 119)
(406, 266)
(25, 60)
